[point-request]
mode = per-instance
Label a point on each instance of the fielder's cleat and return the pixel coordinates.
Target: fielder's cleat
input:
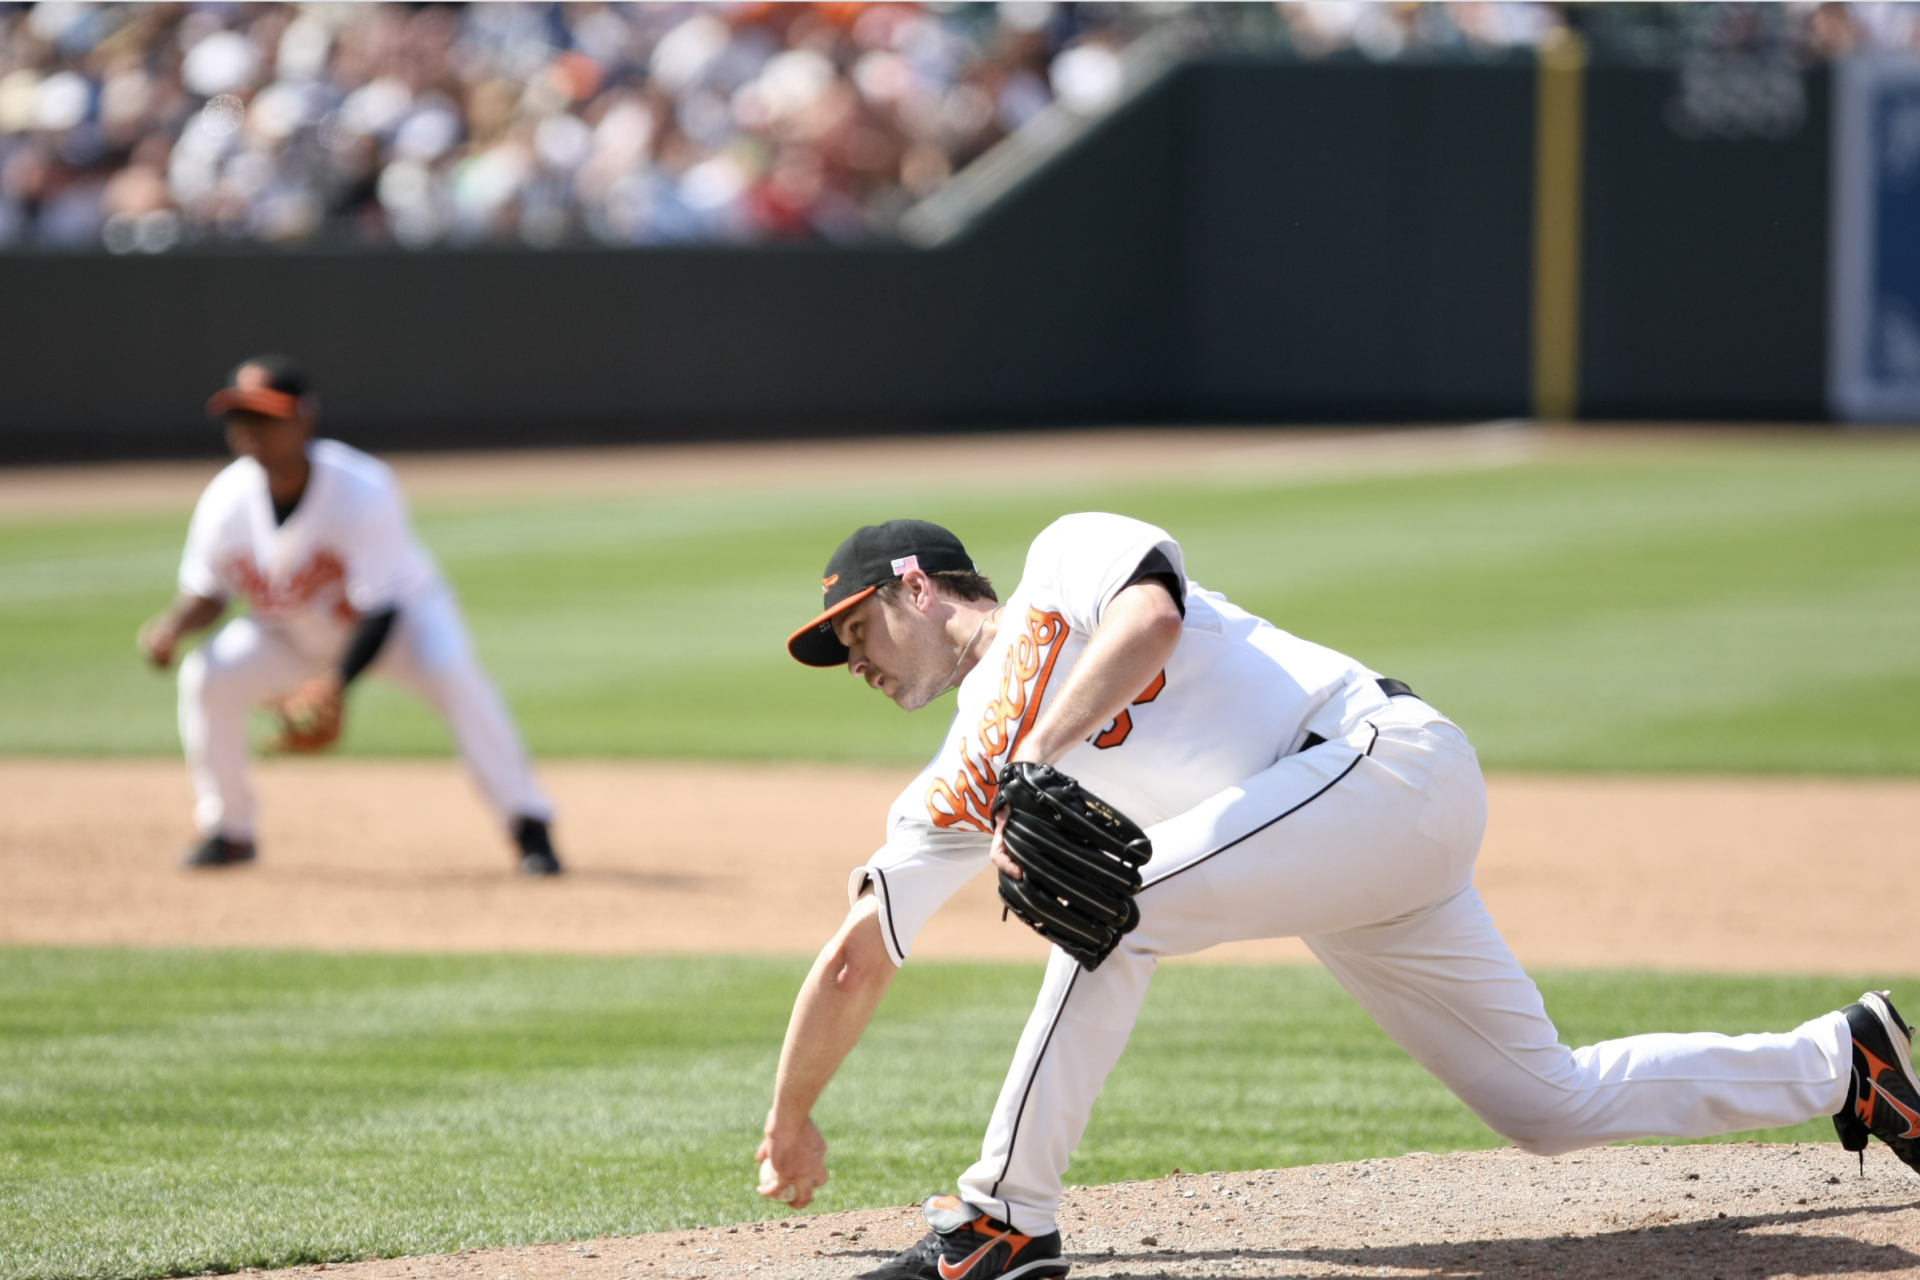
(537, 857)
(965, 1244)
(218, 851)
(1885, 1100)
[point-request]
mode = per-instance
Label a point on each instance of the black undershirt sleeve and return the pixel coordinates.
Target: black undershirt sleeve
(366, 643)
(1155, 567)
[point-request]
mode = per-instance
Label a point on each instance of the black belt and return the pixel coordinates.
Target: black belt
(1389, 686)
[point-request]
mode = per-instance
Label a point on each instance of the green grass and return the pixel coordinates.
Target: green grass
(172, 1112)
(1749, 606)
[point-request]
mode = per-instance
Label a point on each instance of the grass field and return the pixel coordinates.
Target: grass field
(171, 1112)
(1749, 606)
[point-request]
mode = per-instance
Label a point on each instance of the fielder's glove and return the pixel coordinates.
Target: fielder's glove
(1080, 857)
(310, 720)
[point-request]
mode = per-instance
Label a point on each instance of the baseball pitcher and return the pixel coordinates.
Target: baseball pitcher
(315, 537)
(1153, 771)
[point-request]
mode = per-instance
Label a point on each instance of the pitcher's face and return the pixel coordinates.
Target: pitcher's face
(896, 649)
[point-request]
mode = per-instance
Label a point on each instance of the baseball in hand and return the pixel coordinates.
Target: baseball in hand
(768, 1179)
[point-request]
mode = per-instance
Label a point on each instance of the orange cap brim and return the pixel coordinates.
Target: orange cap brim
(275, 404)
(808, 645)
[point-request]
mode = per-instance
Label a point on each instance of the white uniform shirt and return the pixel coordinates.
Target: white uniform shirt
(1234, 698)
(346, 551)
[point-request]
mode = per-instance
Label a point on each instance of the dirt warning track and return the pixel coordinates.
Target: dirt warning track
(1740, 875)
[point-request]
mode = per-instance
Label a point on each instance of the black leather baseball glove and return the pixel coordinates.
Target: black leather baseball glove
(1080, 857)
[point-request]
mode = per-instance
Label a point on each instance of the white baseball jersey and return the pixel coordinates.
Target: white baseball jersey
(1363, 845)
(347, 550)
(1236, 696)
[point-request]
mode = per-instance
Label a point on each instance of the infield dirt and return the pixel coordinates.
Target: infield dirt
(1739, 875)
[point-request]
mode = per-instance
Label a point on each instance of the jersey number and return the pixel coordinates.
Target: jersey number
(1116, 733)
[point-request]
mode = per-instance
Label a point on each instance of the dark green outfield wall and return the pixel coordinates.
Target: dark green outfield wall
(1357, 244)
(1705, 266)
(1251, 240)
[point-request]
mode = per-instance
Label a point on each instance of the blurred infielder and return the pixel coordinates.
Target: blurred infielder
(1285, 791)
(315, 536)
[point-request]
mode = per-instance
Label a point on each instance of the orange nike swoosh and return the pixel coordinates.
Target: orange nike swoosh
(1866, 1106)
(1907, 1113)
(954, 1271)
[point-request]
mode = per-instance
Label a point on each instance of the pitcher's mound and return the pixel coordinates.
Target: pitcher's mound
(1707, 1211)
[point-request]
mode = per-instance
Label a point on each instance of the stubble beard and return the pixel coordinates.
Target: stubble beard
(921, 688)
(928, 680)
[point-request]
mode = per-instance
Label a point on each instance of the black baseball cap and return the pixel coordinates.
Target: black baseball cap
(273, 385)
(874, 556)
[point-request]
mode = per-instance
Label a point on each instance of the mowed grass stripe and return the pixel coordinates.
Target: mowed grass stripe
(1743, 606)
(172, 1112)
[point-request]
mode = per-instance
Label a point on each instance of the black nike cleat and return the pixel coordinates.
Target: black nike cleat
(965, 1244)
(218, 851)
(1885, 1101)
(535, 842)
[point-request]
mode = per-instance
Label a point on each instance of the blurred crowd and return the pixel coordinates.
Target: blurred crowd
(139, 127)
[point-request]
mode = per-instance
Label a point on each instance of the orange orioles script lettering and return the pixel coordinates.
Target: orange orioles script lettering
(966, 800)
(1116, 733)
(321, 573)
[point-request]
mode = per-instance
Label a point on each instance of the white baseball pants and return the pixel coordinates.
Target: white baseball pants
(1364, 848)
(247, 663)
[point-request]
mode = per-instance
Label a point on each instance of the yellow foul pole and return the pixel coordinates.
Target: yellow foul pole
(1556, 229)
